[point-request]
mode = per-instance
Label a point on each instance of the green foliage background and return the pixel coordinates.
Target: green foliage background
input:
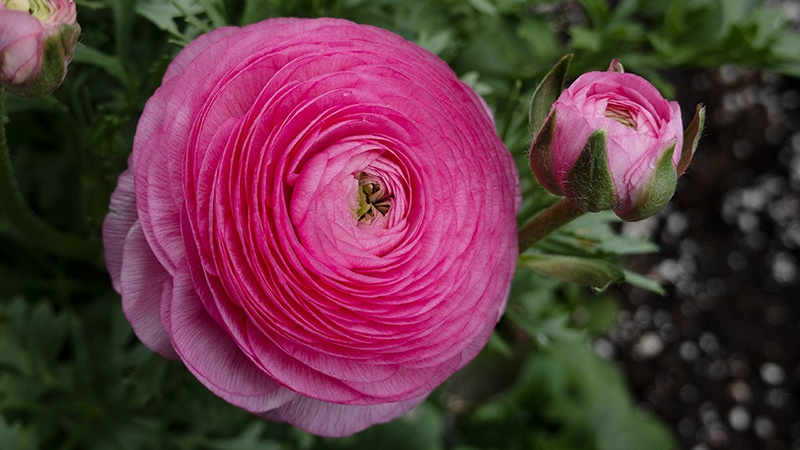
(73, 375)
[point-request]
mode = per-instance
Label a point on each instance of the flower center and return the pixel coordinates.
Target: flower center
(372, 199)
(17, 5)
(621, 114)
(39, 9)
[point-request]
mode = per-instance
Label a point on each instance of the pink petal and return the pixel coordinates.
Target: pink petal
(143, 285)
(246, 163)
(334, 420)
(20, 46)
(213, 357)
(117, 224)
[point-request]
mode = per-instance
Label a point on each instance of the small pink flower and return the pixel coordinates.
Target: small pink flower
(318, 219)
(612, 141)
(37, 40)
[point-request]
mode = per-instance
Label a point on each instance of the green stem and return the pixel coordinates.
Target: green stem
(24, 221)
(549, 220)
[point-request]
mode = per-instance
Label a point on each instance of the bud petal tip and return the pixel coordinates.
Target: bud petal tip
(616, 66)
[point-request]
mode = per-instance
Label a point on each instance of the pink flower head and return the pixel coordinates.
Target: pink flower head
(635, 130)
(318, 219)
(37, 39)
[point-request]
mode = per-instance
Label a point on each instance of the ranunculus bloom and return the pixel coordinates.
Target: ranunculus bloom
(37, 40)
(638, 136)
(318, 219)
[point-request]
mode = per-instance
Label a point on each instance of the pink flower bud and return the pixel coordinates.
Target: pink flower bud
(612, 141)
(37, 40)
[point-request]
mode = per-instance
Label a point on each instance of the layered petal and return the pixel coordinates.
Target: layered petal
(20, 47)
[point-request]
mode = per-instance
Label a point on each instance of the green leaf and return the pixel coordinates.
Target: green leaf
(257, 10)
(543, 42)
(547, 93)
(586, 39)
(626, 245)
(215, 10)
(147, 379)
(546, 331)
(596, 273)
(484, 6)
(499, 345)
(601, 313)
(161, 14)
(250, 439)
(643, 282)
(597, 10)
(436, 42)
(16, 437)
(92, 56)
(19, 391)
(584, 399)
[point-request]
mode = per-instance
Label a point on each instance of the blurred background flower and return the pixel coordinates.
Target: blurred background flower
(37, 40)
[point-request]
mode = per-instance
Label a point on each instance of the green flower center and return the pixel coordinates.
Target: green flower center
(621, 114)
(39, 9)
(372, 199)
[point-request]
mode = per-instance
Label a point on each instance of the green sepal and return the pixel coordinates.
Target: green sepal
(541, 155)
(658, 193)
(547, 93)
(691, 136)
(592, 272)
(589, 183)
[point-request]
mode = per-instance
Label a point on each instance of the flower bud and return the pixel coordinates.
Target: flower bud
(611, 141)
(37, 39)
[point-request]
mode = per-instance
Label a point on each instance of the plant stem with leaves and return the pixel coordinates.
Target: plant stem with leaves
(23, 221)
(549, 220)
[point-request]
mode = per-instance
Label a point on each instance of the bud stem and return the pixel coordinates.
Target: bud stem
(549, 220)
(23, 220)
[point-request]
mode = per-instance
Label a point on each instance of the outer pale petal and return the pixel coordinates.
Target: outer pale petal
(675, 128)
(144, 284)
(117, 224)
(331, 419)
(20, 52)
(213, 357)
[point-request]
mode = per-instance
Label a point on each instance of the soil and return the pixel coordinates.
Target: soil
(718, 357)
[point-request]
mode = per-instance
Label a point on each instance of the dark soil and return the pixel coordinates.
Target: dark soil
(718, 358)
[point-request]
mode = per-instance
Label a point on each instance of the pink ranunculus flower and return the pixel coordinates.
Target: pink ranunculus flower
(612, 141)
(37, 40)
(318, 219)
